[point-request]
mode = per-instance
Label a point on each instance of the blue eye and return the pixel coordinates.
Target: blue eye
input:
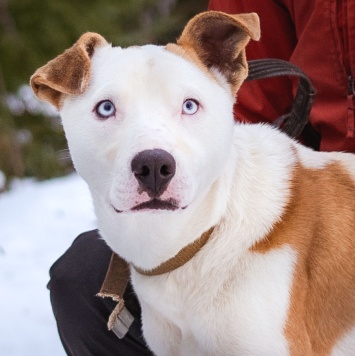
(105, 109)
(190, 106)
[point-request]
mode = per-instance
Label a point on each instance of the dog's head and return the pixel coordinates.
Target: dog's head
(150, 128)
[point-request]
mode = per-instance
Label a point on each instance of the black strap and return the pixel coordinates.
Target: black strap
(295, 121)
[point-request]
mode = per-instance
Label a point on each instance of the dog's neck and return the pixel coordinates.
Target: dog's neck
(118, 273)
(183, 256)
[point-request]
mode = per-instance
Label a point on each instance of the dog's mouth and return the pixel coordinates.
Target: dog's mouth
(154, 204)
(157, 204)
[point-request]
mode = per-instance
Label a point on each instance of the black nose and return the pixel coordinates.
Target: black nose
(153, 169)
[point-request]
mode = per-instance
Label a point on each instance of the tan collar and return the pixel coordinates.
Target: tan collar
(118, 274)
(183, 256)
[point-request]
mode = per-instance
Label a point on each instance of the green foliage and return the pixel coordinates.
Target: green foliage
(35, 31)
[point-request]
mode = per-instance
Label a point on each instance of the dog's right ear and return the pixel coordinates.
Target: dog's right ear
(68, 73)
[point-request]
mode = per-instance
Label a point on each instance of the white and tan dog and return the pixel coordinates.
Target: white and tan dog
(151, 131)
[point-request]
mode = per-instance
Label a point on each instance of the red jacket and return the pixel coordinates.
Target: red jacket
(319, 37)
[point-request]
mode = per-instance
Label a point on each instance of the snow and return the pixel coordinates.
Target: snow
(38, 222)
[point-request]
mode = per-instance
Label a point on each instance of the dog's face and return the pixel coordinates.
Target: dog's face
(150, 128)
(151, 132)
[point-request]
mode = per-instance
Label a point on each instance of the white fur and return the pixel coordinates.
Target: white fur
(232, 310)
(226, 300)
(345, 344)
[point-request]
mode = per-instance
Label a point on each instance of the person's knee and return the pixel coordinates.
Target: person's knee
(79, 272)
(81, 316)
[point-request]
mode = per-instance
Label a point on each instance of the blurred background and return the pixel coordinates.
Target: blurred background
(44, 205)
(34, 31)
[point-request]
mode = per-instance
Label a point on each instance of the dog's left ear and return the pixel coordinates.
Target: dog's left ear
(67, 74)
(219, 41)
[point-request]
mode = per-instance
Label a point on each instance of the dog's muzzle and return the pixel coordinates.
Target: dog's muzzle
(153, 170)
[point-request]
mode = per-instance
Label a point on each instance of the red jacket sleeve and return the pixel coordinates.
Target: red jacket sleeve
(264, 100)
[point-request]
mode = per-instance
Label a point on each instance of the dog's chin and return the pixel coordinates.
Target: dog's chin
(153, 205)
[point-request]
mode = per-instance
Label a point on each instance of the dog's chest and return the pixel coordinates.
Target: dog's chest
(236, 308)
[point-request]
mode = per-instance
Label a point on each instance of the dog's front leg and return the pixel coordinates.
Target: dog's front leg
(162, 336)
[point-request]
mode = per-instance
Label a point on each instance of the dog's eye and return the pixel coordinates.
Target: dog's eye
(105, 109)
(190, 106)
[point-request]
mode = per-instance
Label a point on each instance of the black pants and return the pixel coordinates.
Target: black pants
(82, 317)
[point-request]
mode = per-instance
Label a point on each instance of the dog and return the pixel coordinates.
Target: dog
(239, 239)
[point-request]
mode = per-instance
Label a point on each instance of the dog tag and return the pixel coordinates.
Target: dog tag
(123, 322)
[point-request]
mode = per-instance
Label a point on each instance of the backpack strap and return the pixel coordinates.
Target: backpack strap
(296, 120)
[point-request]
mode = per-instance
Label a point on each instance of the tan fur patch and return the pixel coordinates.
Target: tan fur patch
(319, 224)
(68, 73)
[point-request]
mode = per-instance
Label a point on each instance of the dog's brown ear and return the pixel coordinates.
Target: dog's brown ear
(219, 40)
(68, 73)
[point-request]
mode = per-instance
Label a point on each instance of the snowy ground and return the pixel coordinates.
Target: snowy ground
(38, 221)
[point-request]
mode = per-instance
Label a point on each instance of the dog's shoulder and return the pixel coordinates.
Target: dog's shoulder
(318, 224)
